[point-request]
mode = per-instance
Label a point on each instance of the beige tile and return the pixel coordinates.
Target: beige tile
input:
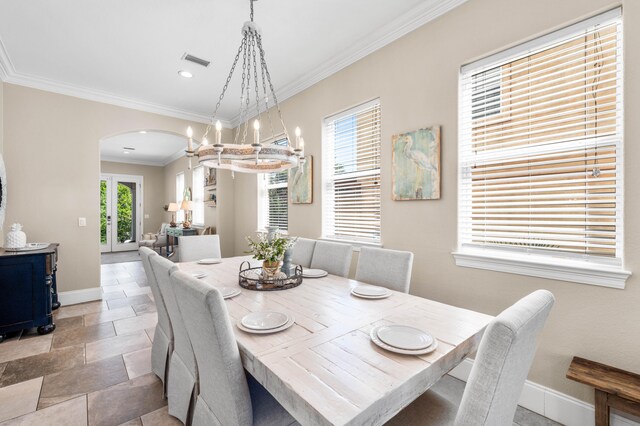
(130, 325)
(160, 417)
(138, 363)
(144, 308)
(133, 399)
(23, 369)
(65, 324)
(120, 287)
(82, 380)
(134, 422)
(80, 309)
(128, 301)
(110, 315)
(118, 345)
(14, 349)
(119, 294)
(80, 335)
(137, 291)
(68, 413)
(19, 399)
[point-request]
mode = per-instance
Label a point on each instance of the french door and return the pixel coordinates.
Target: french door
(120, 212)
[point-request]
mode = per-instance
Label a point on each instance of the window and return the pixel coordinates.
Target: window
(198, 196)
(351, 175)
(541, 156)
(179, 196)
(273, 194)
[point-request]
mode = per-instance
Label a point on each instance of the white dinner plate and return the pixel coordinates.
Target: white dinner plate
(384, 296)
(370, 290)
(376, 340)
(209, 261)
(229, 292)
(314, 273)
(272, 330)
(198, 274)
(405, 337)
(264, 320)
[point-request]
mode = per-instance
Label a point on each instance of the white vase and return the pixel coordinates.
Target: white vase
(15, 238)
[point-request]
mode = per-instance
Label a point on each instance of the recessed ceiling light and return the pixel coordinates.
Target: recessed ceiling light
(143, 132)
(125, 152)
(185, 74)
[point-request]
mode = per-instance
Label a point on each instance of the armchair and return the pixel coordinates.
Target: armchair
(158, 241)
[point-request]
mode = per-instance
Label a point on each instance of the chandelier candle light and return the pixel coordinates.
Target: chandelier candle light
(241, 156)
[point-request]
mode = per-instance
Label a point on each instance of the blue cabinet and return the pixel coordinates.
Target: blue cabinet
(28, 288)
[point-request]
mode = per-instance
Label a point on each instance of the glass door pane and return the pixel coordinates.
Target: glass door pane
(126, 205)
(105, 215)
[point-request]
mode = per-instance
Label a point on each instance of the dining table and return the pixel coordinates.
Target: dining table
(325, 369)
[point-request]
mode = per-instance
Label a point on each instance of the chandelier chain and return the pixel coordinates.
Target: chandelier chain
(255, 77)
(243, 111)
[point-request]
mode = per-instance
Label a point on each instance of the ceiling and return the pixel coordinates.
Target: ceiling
(151, 148)
(128, 53)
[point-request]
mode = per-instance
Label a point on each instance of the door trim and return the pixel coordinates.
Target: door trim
(139, 180)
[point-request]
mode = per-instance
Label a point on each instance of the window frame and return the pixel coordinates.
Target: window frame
(180, 217)
(197, 197)
(586, 269)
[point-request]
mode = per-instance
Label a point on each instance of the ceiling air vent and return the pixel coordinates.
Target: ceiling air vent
(196, 60)
(128, 148)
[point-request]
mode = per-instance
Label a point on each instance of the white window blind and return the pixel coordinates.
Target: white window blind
(351, 174)
(179, 196)
(273, 196)
(198, 196)
(541, 146)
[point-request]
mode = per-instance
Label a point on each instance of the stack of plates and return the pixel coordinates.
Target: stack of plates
(265, 322)
(229, 292)
(403, 339)
(209, 261)
(370, 292)
(314, 273)
(198, 274)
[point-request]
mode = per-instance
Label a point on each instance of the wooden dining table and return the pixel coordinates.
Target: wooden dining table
(325, 370)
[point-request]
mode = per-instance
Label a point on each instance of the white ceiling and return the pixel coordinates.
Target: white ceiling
(151, 148)
(129, 52)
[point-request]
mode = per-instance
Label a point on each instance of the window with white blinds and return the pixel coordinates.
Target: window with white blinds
(541, 147)
(273, 203)
(198, 196)
(351, 175)
(179, 196)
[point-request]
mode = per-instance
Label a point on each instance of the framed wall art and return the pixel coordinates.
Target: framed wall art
(416, 165)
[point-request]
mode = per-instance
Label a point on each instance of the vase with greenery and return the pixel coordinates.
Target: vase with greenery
(270, 249)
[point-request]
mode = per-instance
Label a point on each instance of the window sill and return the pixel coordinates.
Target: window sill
(561, 269)
(355, 244)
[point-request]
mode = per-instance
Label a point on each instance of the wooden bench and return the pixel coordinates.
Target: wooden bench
(614, 388)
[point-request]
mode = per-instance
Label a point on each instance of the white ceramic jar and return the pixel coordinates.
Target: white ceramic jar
(15, 238)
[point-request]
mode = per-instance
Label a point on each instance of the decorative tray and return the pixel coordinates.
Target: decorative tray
(254, 279)
(29, 247)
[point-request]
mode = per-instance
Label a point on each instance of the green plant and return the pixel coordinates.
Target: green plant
(103, 212)
(269, 250)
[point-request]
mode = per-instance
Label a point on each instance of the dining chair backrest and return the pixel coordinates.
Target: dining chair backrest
(198, 247)
(386, 268)
(335, 258)
(303, 252)
(503, 361)
(183, 371)
(163, 335)
(224, 394)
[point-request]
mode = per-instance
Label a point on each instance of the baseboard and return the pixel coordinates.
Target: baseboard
(552, 404)
(80, 296)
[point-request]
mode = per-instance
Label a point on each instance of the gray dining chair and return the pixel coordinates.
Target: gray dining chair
(228, 396)
(386, 268)
(498, 374)
(183, 372)
(163, 336)
(199, 247)
(302, 252)
(335, 258)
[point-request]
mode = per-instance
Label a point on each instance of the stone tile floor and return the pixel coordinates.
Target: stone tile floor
(95, 368)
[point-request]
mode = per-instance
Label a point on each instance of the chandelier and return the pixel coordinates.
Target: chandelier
(256, 92)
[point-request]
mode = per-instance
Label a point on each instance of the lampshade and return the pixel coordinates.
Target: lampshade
(186, 205)
(173, 207)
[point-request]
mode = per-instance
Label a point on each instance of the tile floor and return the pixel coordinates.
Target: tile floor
(95, 368)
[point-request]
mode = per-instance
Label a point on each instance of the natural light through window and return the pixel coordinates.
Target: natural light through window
(179, 196)
(198, 196)
(273, 198)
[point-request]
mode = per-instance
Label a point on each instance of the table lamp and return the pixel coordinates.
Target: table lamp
(173, 208)
(187, 206)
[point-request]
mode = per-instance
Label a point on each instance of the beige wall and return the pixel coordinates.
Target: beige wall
(2, 225)
(51, 150)
(416, 79)
(153, 189)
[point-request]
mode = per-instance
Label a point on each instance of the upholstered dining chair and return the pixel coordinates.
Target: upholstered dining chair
(303, 252)
(183, 372)
(163, 336)
(199, 247)
(498, 374)
(228, 396)
(386, 268)
(335, 258)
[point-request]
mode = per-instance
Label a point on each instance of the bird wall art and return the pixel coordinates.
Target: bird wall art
(416, 165)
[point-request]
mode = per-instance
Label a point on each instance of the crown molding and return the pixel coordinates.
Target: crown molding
(6, 66)
(131, 161)
(420, 15)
